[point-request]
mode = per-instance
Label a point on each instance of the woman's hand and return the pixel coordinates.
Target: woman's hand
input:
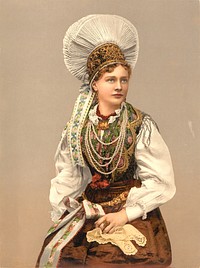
(108, 222)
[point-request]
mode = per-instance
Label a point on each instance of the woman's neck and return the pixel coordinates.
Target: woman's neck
(106, 111)
(104, 117)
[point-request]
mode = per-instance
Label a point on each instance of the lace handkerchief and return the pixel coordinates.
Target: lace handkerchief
(121, 237)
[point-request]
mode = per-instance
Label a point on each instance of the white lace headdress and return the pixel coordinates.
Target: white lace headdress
(91, 43)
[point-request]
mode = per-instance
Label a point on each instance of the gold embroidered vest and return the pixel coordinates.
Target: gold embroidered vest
(127, 165)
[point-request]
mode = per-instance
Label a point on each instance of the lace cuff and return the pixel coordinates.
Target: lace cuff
(55, 215)
(143, 207)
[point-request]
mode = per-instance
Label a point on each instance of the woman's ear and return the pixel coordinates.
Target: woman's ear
(94, 86)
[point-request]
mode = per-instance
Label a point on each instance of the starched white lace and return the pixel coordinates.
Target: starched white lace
(94, 118)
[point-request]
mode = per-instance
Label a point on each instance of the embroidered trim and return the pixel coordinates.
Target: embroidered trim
(146, 127)
(71, 230)
(93, 210)
(128, 152)
(79, 114)
(102, 55)
(67, 228)
(115, 201)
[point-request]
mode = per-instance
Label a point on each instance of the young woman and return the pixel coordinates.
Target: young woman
(113, 167)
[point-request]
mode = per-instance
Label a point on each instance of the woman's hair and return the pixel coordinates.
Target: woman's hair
(110, 68)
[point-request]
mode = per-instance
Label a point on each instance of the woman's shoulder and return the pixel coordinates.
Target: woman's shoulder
(140, 120)
(138, 114)
(134, 113)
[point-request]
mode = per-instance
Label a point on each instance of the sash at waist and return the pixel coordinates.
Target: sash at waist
(115, 193)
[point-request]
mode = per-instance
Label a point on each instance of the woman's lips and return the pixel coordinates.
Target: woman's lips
(117, 95)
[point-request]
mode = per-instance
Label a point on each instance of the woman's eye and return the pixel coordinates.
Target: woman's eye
(124, 81)
(111, 80)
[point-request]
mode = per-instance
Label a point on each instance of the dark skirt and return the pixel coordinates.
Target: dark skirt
(79, 252)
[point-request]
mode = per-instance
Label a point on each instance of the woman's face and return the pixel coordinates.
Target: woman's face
(112, 88)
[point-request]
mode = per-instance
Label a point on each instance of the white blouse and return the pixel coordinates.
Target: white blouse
(154, 170)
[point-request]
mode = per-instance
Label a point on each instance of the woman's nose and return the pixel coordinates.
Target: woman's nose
(118, 86)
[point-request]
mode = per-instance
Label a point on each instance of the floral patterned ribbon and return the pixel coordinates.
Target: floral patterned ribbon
(67, 228)
(80, 110)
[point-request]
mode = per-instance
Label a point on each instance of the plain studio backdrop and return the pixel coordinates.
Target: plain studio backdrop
(37, 96)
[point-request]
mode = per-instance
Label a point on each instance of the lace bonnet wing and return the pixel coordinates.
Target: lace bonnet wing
(92, 31)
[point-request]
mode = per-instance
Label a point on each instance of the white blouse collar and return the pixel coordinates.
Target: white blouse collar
(94, 118)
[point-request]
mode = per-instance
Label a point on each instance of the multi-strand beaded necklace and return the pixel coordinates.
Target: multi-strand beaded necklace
(98, 161)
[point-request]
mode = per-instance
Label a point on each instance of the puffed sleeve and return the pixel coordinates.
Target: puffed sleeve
(154, 169)
(70, 181)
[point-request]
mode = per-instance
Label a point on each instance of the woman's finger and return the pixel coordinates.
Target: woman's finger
(112, 230)
(109, 228)
(100, 221)
(104, 225)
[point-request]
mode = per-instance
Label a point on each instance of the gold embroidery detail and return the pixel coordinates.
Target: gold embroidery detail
(115, 201)
(103, 55)
(127, 153)
(102, 125)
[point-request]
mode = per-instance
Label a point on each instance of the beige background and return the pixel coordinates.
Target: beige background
(37, 94)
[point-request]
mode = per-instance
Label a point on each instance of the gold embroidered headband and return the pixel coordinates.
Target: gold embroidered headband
(103, 55)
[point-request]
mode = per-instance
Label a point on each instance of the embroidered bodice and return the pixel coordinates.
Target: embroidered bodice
(103, 138)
